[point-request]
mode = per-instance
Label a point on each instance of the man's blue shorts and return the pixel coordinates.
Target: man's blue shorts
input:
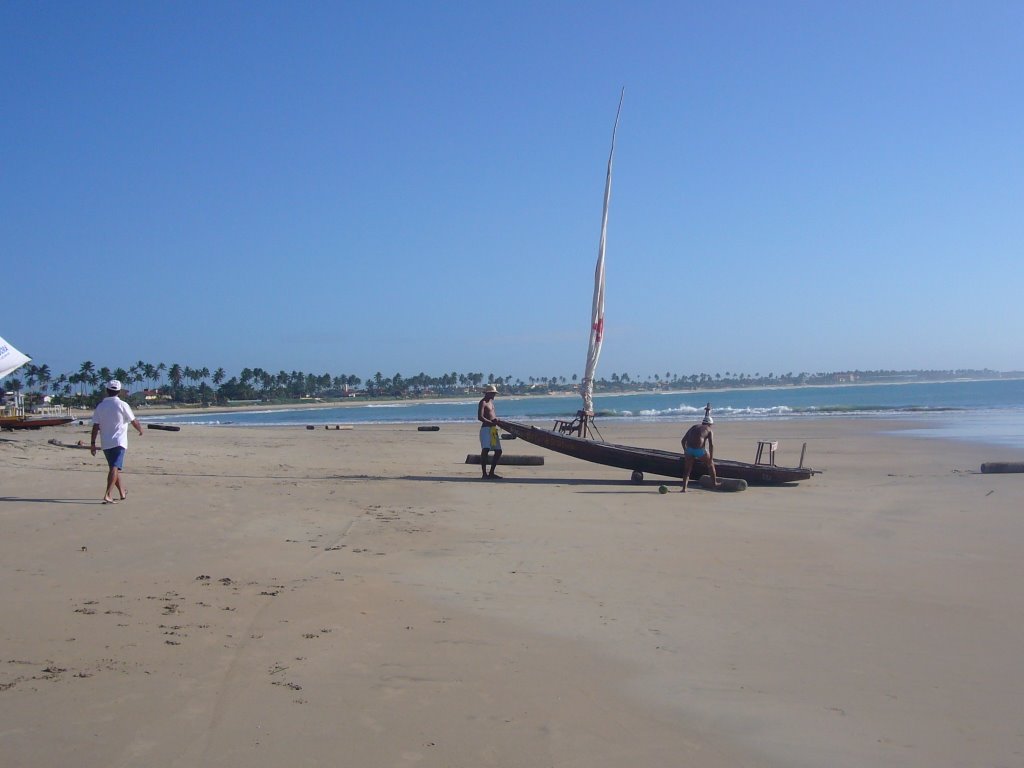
(115, 457)
(697, 453)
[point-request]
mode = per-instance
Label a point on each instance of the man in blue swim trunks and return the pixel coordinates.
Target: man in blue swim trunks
(111, 420)
(699, 445)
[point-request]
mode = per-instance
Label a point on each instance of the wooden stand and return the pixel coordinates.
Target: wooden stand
(582, 426)
(772, 446)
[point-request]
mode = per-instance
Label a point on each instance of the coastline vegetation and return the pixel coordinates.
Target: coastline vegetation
(160, 384)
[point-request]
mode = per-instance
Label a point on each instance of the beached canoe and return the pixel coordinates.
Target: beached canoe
(33, 422)
(655, 462)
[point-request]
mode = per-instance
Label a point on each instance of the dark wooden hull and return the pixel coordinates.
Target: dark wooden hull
(28, 422)
(650, 460)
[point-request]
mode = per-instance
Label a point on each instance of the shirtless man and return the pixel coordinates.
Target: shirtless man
(699, 445)
(489, 439)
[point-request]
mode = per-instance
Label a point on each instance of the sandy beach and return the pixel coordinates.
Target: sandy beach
(269, 596)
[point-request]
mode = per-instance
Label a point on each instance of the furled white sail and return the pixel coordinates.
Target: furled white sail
(10, 358)
(597, 310)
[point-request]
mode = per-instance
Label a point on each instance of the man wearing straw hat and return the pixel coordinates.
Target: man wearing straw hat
(111, 420)
(489, 438)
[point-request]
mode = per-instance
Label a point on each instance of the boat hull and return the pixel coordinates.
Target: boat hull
(650, 460)
(28, 422)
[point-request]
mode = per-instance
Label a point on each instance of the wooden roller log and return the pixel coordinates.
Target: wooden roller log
(528, 461)
(165, 427)
(1001, 467)
(428, 429)
(724, 484)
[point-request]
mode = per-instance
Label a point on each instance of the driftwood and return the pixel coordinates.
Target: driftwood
(59, 444)
(428, 429)
(165, 427)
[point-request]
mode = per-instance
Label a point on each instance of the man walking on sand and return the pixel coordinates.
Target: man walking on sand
(699, 445)
(111, 420)
(489, 439)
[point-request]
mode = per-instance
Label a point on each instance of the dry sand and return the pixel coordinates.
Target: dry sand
(279, 597)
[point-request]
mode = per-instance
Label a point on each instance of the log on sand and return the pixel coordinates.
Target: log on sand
(506, 458)
(1002, 467)
(724, 484)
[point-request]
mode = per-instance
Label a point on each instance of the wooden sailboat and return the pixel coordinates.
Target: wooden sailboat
(650, 460)
(573, 438)
(12, 415)
(33, 422)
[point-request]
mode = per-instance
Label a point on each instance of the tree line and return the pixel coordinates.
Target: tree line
(184, 384)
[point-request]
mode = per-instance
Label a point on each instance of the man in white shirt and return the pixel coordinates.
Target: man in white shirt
(111, 420)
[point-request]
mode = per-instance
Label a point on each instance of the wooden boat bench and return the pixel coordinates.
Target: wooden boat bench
(574, 427)
(567, 427)
(772, 446)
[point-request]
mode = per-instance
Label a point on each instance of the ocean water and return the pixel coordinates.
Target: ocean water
(989, 411)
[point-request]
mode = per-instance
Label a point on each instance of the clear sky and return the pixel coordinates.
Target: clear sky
(416, 186)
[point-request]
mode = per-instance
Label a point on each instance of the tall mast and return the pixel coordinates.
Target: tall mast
(597, 309)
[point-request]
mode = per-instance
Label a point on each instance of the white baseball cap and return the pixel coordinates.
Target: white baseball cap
(114, 385)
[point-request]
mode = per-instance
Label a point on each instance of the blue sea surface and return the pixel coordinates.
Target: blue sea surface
(990, 411)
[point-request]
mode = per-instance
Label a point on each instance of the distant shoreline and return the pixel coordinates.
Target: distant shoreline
(153, 410)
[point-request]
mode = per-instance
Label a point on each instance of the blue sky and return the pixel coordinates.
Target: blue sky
(405, 187)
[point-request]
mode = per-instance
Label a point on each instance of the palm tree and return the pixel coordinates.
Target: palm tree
(218, 376)
(87, 372)
(30, 375)
(43, 374)
(175, 374)
(258, 375)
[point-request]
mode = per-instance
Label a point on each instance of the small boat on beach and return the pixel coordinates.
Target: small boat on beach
(650, 460)
(575, 438)
(33, 422)
(12, 414)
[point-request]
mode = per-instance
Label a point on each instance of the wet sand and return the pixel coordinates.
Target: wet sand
(269, 597)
